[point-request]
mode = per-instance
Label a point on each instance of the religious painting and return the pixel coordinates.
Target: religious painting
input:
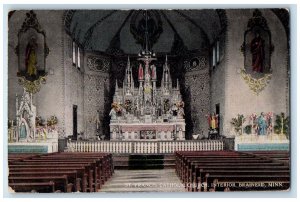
(32, 51)
(257, 49)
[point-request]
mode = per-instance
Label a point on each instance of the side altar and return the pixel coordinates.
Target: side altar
(25, 135)
(149, 111)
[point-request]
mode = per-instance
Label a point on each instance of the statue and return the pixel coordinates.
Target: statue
(213, 121)
(153, 69)
(113, 114)
(258, 53)
(262, 124)
(114, 134)
(180, 113)
(31, 58)
(141, 72)
(180, 109)
(23, 131)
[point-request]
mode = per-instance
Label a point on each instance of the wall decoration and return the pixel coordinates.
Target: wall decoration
(256, 85)
(257, 49)
(196, 63)
(99, 64)
(32, 51)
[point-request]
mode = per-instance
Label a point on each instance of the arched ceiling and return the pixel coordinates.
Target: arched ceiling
(111, 30)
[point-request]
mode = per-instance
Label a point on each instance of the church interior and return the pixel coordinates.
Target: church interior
(148, 100)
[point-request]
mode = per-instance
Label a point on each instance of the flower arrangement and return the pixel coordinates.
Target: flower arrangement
(52, 121)
(282, 124)
(238, 123)
(128, 105)
(39, 121)
(116, 107)
(253, 120)
(166, 105)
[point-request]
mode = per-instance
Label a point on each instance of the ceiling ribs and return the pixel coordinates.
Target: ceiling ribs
(194, 23)
(170, 23)
(89, 33)
(112, 44)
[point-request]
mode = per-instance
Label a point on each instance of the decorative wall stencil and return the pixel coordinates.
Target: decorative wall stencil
(196, 63)
(256, 85)
(99, 64)
(95, 93)
(199, 94)
(257, 49)
(32, 51)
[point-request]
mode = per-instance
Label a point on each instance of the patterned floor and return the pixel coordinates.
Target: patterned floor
(164, 180)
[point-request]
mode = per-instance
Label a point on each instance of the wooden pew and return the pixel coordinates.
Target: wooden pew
(76, 174)
(201, 171)
(94, 173)
(83, 173)
(43, 187)
(60, 181)
(99, 166)
(204, 168)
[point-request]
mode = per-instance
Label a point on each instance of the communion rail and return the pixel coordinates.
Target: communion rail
(144, 147)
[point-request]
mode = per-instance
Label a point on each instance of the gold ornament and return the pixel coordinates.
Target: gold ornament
(32, 86)
(256, 85)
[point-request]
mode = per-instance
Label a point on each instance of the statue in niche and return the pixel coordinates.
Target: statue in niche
(258, 53)
(153, 69)
(23, 131)
(31, 57)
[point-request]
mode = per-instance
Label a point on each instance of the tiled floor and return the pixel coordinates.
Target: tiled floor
(164, 180)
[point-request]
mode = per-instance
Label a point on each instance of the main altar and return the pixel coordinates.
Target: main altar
(147, 112)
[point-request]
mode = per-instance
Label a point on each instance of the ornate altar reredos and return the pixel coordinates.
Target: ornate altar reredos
(24, 136)
(147, 111)
(25, 113)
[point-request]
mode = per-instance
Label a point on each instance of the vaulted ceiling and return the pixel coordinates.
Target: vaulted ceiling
(123, 31)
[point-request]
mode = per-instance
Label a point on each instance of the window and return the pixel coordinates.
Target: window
(218, 51)
(214, 57)
(78, 57)
(74, 52)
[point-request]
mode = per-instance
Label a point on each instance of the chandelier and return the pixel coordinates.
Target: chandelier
(146, 53)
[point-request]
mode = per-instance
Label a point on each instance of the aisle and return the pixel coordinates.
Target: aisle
(164, 180)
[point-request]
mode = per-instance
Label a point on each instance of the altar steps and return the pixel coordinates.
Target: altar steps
(144, 161)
